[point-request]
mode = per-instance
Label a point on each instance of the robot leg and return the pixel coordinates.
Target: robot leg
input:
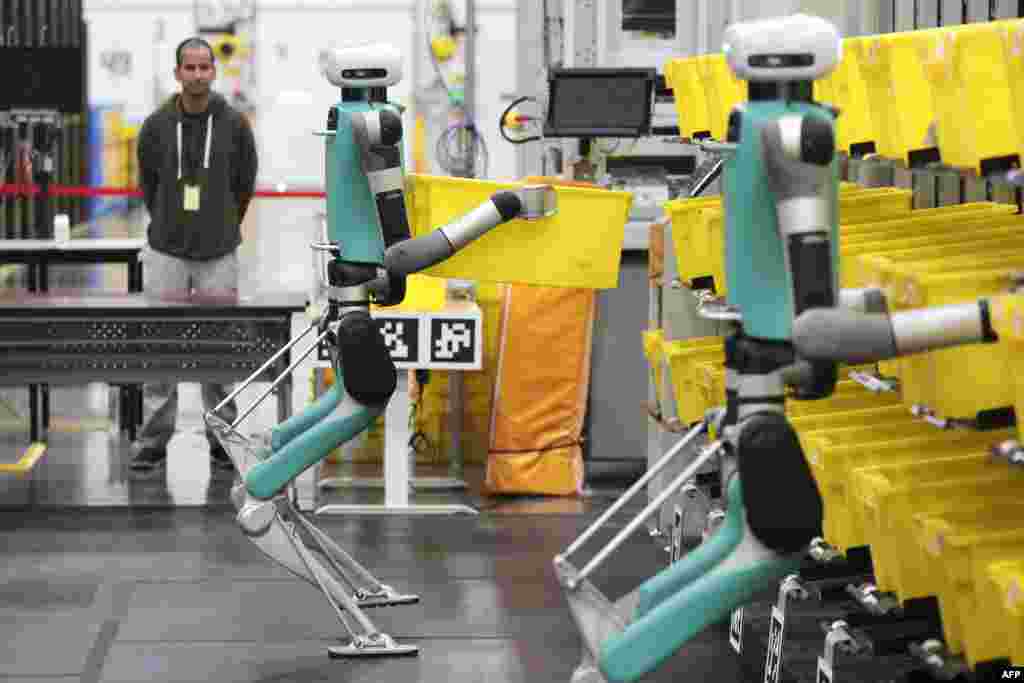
(271, 520)
(763, 541)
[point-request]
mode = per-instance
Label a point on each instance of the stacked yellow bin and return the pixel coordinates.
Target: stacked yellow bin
(836, 465)
(1013, 57)
(867, 247)
(698, 226)
(1006, 591)
(968, 72)
(653, 343)
(1007, 314)
(694, 248)
(898, 96)
(683, 358)
(889, 498)
(849, 94)
(722, 91)
(961, 544)
(691, 102)
(891, 89)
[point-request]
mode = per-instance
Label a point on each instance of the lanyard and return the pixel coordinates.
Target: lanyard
(209, 137)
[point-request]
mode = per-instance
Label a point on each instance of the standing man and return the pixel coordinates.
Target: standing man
(197, 167)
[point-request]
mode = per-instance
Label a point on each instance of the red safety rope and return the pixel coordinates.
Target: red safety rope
(24, 190)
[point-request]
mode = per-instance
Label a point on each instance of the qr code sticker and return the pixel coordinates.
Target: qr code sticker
(401, 336)
(453, 340)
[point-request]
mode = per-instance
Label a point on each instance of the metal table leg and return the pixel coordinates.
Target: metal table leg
(453, 482)
(38, 394)
(134, 411)
(44, 398)
(397, 473)
(33, 412)
(133, 393)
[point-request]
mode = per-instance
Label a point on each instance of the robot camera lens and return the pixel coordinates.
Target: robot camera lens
(364, 73)
(781, 61)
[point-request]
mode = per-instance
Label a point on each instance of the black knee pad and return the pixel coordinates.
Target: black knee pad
(366, 365)
(784, 508)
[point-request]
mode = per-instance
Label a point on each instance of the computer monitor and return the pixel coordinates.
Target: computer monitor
(599, 103)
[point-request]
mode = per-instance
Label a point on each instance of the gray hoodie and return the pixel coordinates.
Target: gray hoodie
(214, 230)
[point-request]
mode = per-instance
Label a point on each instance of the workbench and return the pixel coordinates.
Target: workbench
(39, 255)
(71, 338)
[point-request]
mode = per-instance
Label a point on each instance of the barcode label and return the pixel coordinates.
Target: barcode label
(736, 630)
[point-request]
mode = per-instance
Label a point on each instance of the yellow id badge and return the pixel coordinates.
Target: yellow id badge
(191, 197)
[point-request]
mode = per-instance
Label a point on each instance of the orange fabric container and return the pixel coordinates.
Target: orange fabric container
(540, 392)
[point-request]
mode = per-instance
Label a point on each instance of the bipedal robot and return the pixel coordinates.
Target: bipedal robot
(370, 255)
(781, 204)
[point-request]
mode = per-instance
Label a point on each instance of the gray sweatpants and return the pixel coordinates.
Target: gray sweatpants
(170, 276)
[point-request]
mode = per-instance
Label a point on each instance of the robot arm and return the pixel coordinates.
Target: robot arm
(411, 256)
(378, 134)
(798, 150)
(855, 337)
(430, 249)
(867, 300)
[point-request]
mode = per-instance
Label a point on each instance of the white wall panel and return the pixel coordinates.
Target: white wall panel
(152, 61)
(833, 10)
(293, 97)
(496, 80)
(752, 9)
(977, 10)
(952, 12)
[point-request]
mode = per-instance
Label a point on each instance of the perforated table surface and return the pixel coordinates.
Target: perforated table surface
(74, 338)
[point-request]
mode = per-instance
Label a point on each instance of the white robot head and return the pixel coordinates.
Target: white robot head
(362, 65)
(793, 48)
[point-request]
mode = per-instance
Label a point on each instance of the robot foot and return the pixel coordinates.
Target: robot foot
(587, 671)
(375, 645)
(386, 596)
(274, 527)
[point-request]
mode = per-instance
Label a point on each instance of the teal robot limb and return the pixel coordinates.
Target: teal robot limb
(780, 196)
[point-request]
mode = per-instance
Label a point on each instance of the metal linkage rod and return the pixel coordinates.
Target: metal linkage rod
(617, 505)
(252, 378)
(280, 378)
(711, 451)
(709, 177)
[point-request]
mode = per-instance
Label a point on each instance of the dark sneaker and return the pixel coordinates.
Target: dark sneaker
(149, 459)
(219, 459)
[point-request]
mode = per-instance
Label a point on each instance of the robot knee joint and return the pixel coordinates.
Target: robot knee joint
(369, 373)
(784, 507)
